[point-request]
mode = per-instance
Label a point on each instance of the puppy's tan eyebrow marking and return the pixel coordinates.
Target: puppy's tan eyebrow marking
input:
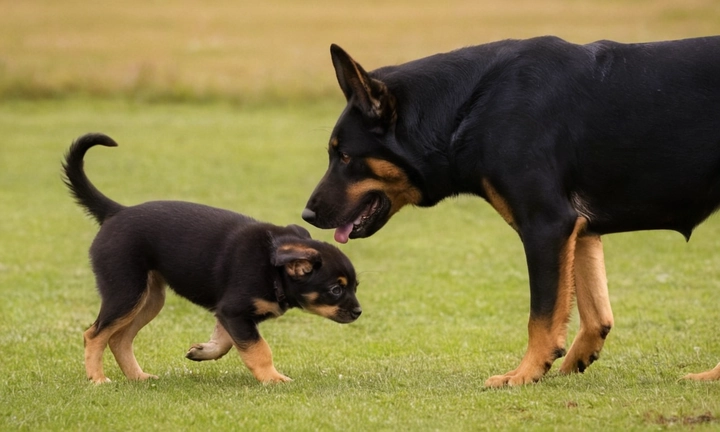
(342, 280)
(334, 142)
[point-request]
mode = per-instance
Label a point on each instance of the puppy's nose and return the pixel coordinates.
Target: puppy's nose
(308, 215)
(356, 312)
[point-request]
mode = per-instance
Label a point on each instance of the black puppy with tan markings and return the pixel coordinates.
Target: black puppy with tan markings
(243, 270)
(567, 142)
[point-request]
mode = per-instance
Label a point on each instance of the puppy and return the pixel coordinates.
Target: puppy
(243, 270)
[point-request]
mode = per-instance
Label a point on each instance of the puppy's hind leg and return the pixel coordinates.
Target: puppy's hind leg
(219, 344)
(152, 301)
(95, 343)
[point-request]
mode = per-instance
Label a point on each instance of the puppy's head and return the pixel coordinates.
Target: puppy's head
(318, 277)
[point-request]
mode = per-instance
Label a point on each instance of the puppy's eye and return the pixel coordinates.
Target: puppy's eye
(336, 290)
(344, 158)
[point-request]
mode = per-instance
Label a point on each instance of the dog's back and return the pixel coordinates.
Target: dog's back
(188, 243)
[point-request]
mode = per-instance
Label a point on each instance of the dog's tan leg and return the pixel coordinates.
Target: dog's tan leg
(547, 334)
(219, 344)
(96, 342)
(94, 347)
(711, 375)
(121, 341)
(258, 358)
(593, 301)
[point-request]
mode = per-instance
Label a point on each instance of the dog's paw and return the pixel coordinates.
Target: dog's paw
(205, 351)
(100, 380)
(513, 378)
(145, 376)
(274, 378)
(196, 353)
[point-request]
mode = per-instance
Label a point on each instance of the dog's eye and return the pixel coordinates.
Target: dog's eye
(345, 158)
(336, 290)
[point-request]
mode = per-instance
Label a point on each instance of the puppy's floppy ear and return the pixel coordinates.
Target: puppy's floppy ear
(299, 231)
(298, 259)
(368, 94)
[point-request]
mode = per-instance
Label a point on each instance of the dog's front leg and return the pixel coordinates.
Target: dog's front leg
(253, 349)
(550, 252)
(219, 344)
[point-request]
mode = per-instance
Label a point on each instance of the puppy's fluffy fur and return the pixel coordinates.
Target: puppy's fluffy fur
(243, 270)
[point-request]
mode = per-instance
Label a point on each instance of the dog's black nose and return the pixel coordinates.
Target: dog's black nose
(356, 312)
(308, 215)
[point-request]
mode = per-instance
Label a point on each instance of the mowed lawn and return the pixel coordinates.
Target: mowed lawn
(444, 292)
(232, 105)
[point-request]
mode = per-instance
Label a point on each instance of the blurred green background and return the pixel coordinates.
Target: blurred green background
(278, 49)
(231, 103)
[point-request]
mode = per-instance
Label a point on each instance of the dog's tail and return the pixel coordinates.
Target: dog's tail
(86, 195)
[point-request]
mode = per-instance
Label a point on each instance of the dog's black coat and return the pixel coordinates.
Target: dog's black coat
(223, 261)
(624, 136)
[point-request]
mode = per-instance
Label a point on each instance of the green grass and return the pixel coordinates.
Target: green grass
(444, 292)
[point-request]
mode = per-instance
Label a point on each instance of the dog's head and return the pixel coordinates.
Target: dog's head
(367, 181)
(319, 278)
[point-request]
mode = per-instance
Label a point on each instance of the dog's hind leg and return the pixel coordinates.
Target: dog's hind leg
(95, 343)
(219, 344)
(711, 375)
(121, 341)
(596, 317)
(99, 335)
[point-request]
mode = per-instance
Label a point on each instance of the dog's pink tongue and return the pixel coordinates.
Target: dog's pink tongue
(343, 233)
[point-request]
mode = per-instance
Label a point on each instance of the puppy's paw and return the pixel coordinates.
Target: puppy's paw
(206, 351)
(274, 378)
(145, 376)
(100, 380)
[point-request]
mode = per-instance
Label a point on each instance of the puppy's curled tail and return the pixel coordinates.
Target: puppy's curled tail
(86, 195)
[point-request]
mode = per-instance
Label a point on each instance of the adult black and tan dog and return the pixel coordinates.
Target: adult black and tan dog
(567, 142)
(243, 270)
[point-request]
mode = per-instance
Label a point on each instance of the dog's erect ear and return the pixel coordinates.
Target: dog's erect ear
(297, 258)
(368, 94)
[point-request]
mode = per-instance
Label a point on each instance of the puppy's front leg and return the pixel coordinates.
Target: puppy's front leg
(219, 344)
(253, 349)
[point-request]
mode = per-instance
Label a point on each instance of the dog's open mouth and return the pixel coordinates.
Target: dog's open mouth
(366, 218)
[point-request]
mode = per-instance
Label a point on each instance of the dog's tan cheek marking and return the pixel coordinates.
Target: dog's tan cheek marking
(323, 310)
(311, 297)
(392, 181)
(498, 203)
(264, 307)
